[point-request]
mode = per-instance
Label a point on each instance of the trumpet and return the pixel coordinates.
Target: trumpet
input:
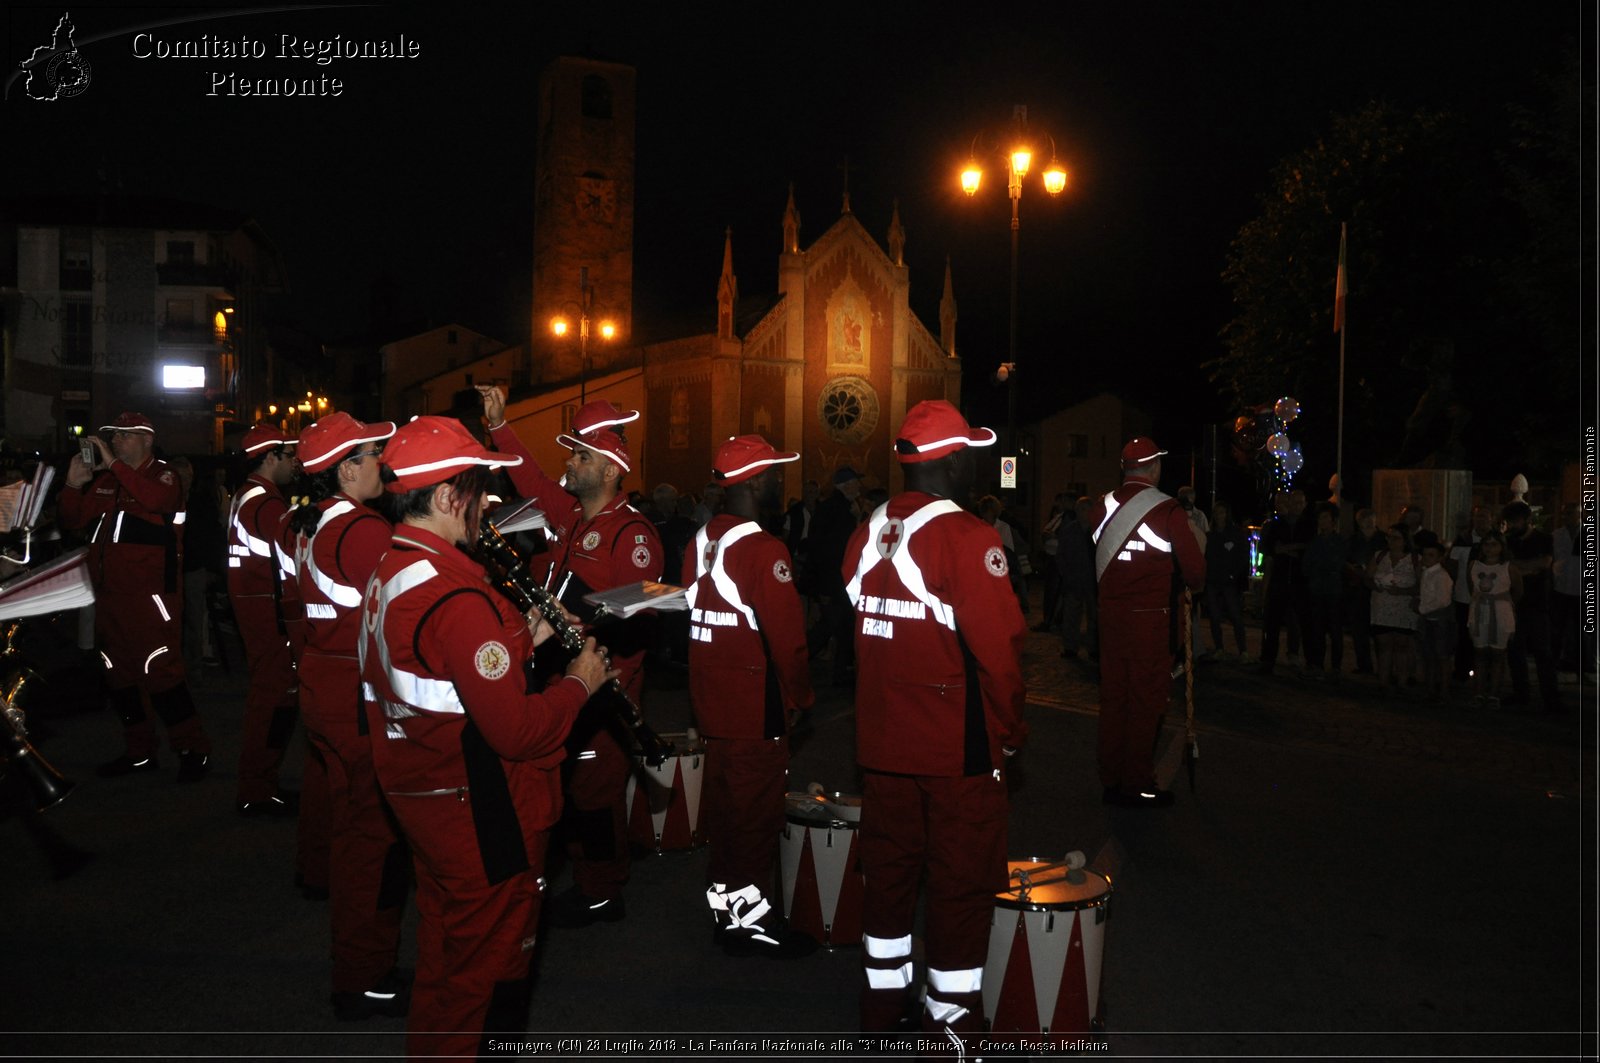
(513, 577)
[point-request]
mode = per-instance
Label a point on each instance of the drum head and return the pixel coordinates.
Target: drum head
(846, 807)
(811, 809)
(1052, 890)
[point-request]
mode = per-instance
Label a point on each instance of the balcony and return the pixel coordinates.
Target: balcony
(195, 275)
(188, 334)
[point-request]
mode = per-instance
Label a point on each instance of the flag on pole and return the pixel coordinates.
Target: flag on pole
(1341, 287)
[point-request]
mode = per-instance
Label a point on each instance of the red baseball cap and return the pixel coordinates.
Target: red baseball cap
(130, 422)
(601, 414)
(935, 428)
(430, 450)
(601, 441)
(326, 442)
(265, 437)
(1140, 450)
(742, 457)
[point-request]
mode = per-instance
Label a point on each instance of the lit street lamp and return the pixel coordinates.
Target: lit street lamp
(560, 326)
(1018, 160)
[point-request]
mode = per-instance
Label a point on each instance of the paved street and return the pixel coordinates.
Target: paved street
(1350, 875)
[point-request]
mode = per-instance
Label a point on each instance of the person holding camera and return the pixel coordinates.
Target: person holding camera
(134, 501)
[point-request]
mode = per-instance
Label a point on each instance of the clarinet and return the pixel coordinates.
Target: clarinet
(518, 584)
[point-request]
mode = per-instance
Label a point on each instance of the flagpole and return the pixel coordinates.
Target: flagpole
(1339, 298)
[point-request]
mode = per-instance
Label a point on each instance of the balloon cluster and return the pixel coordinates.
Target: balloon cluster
(1261, 437)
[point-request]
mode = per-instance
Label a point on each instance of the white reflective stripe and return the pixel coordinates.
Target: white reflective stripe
(746, 908)
(320, 611)
(234, 562)
(434, 695)
(887, 948)
(338, 593)
(157, 652)
(1154, 540)
(965, 981)
(116, 530)
(286, 566)
(106, 659)
(367, 693)
(717, 897)
(904, 567)
(719, 571)
(898, 978)
(945, 1012)
(587, 754)
(1112, 505)
(258, 547)
(180, 516)
(166, 617)
(418, 691)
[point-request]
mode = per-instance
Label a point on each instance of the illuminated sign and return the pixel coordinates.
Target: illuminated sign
(183, 377)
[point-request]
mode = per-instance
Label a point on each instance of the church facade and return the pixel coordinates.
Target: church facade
(827, 366)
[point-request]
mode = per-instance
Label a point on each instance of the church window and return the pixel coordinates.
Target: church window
(848, 409)
(596, 97)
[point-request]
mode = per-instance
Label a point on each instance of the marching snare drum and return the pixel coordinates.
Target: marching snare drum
(820, 859)
(664, 801)
(1046, 941)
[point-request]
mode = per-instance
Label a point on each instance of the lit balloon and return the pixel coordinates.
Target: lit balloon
(1278, 444)
(1286, 410)
(1294, 461)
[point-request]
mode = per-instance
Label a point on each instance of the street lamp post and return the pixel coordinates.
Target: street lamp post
(1018, 160)
(561, 325)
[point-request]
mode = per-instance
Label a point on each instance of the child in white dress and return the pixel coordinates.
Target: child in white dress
(1491, 617)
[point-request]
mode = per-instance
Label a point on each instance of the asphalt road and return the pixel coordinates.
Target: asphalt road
(1350, 875)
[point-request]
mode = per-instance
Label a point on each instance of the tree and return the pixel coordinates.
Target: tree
(1432, 317)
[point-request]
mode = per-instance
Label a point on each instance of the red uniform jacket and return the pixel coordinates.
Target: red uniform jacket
(618, 547)
(449, 705)
(258, 563)
(136, 546)
(1136, 587)
(334, 565)
(748, 662)
(939, 640)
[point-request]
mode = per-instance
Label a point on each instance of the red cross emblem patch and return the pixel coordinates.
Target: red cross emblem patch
(890, 537)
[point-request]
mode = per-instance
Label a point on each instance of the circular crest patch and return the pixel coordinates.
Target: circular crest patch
(780, 570)
(169, 478)
(641, 557)
(995, 561)
(493, 660)
(888, 541)
(591, 540)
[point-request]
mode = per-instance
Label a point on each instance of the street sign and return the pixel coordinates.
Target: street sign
(1008, 473)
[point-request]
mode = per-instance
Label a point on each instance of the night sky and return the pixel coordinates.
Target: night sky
(1168, 115)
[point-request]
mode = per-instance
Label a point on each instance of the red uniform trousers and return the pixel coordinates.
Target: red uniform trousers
(311, 837)
(366, 866)
(955, 827)
(1135, 685)
(742, 811)
(474, 940)
(271, 704)
(596, 779)
(141, 641)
